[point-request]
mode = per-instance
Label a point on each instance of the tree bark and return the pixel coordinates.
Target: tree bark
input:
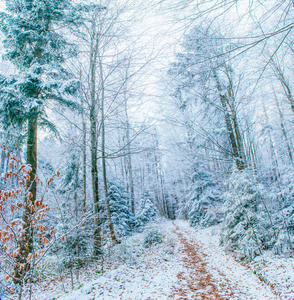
(94, 145)
(129, 159)
(26, 243)
(286, 87)
(95, 187)
(84, 164)
(284, 131)
(107, 205)
(232, 138)
(273, 152)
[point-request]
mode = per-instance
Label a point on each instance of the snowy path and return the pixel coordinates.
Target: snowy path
(213, 274)
(189, 264)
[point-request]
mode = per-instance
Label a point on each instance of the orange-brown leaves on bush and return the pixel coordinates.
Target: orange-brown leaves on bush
(26, 176)
(15, 253)
(50, 180)
(15, 236)
(42, 227)
(21, 168)
(13, 223)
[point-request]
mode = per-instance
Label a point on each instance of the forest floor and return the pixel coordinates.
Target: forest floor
(187, 264)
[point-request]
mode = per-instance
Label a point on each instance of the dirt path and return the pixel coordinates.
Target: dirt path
(197, 282)
(212, 274)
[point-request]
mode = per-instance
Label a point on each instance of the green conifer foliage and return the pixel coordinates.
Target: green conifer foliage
(146, 210)
(247, 226)
(35, 48)
(122, 216)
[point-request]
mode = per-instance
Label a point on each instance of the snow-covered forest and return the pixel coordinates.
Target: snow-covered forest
(147, 149)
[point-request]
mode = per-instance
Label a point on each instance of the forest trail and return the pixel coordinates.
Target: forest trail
(206, 273)
(198, 281)
(187, 264)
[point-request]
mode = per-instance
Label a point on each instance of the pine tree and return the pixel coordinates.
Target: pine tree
(146, 210)
(37, 50)
(121, 213)
(204, 201)
(247, 227)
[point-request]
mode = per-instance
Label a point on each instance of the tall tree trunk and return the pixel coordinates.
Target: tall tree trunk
(231, 100)
(26, 243)
(95, 187)
(84, 160)
(284, 131)
(3, 158)
(164, 200)
(239, 138)
(285, 85)
(84, 169)
(107, 205)
(232, 138)
(287, 91)
(129, 166)
(160, 197)
(94, 145)
(273, 151)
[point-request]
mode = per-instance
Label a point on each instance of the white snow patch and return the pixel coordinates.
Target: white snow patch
(131, 272)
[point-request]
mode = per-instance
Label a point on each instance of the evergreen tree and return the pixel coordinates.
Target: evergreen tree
(204, 201)
(37, 51)
(280, 198)
(121, 213)
(247, 227)
(146, 210)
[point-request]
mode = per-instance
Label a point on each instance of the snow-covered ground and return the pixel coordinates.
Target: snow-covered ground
(147, 273)
(131, 271)
(187, 261)
(267, 277)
